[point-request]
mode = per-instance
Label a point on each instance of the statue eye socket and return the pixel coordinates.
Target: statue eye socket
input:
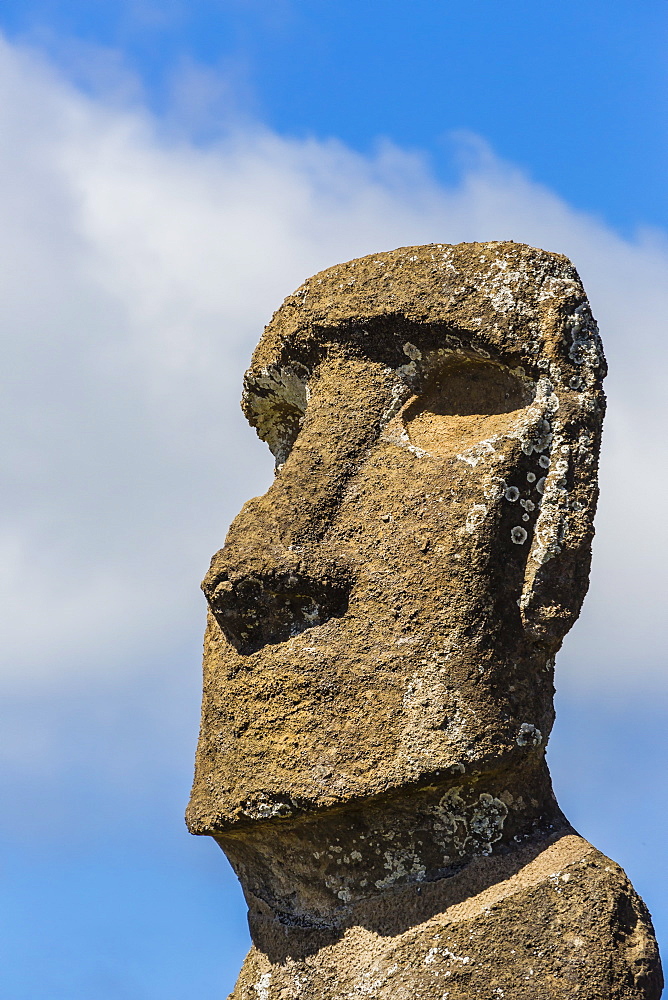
(470, 400)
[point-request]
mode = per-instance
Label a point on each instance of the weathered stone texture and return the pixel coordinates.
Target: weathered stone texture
(378, 670)
(555, 923)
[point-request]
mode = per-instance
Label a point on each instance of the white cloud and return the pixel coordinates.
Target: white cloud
(138, 271)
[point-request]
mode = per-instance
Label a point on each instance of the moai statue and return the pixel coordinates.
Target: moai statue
(378, 669)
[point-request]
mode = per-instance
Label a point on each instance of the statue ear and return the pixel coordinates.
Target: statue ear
(557, 571)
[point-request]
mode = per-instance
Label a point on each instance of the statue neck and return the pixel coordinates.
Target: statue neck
(310, 870)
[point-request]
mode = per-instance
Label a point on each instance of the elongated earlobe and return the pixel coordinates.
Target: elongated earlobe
(557, 570)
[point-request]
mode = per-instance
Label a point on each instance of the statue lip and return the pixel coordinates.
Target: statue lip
(256, 609)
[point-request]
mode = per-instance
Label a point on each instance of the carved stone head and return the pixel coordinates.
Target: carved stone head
(388, 612)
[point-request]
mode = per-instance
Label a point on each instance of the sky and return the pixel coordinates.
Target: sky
(168, 173)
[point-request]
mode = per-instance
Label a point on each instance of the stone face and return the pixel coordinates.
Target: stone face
(378, 669)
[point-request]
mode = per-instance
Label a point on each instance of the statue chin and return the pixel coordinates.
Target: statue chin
(383, 622)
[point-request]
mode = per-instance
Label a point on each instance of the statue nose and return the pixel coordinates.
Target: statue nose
(255, 609)
(276, 576)
(269, 582)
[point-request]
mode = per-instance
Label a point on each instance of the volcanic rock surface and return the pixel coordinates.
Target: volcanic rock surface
(379, 656)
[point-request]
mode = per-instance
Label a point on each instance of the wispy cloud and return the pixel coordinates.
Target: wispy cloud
(138, 271)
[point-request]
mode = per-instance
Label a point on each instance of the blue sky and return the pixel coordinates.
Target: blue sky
(573, 92)
(168, 173)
